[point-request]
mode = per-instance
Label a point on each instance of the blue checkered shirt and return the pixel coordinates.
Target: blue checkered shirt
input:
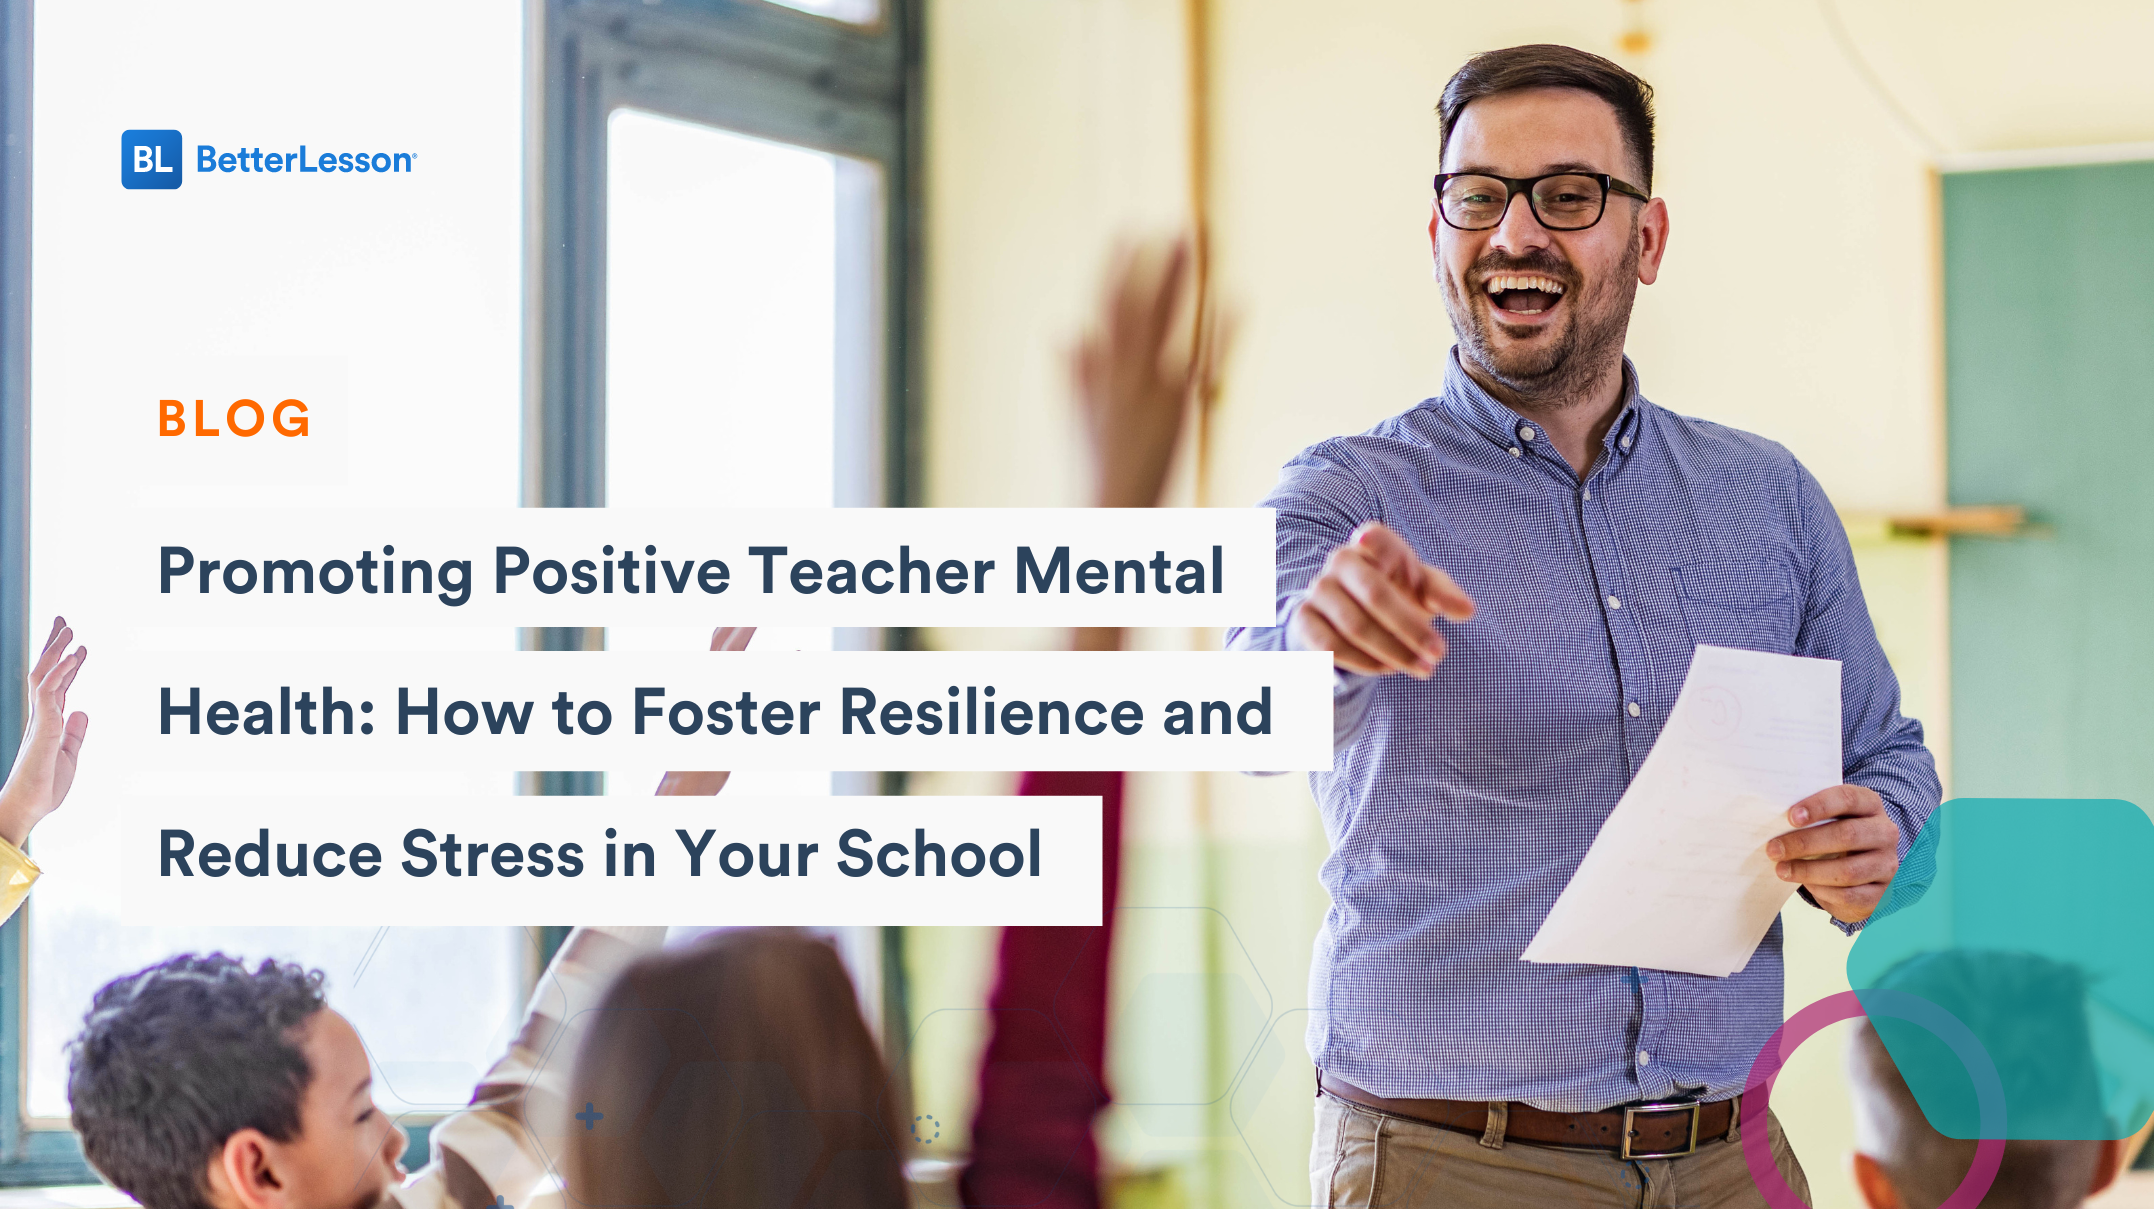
(1458, 807)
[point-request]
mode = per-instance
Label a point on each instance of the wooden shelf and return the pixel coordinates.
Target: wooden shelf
(1965, 520)
(1968, 520)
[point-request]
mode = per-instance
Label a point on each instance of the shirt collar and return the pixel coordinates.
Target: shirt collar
(1465, 398)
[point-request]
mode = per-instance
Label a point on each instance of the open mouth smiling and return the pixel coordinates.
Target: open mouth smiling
(1523, 293)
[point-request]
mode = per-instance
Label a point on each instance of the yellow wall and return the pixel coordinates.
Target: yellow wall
(1799, 300)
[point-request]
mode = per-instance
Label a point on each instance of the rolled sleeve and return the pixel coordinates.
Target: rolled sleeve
(1882, 750)
(17, 873)
(489, 1152)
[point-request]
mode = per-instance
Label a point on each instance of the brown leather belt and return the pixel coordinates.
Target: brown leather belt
(1643, 1131)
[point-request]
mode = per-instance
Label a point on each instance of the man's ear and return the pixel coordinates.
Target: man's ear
(2108, 1165)
(1876, 1187)
(1652, 240)
(242, 1173)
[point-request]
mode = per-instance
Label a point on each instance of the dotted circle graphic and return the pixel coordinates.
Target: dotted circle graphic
(934, 1127)
(1847, 1005)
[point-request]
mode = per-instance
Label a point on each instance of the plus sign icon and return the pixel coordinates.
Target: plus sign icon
(150, 159)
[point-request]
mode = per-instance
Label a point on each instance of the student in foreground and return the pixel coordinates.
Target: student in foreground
(2032, 1013)
(203, 1083)
(44, 762)
(735, 1071)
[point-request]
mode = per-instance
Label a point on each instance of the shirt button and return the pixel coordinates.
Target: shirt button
(1516, 452)
(1589, 493)
(1644, 1058)
(1525, 434)
(1613, 603)
(1625, 442)
(1633, 708)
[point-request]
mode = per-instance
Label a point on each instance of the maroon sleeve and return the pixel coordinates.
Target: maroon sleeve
(1042, 1076)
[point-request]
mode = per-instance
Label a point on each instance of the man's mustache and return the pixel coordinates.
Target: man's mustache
(1546, 264)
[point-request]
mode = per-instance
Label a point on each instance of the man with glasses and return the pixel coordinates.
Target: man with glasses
(1510, 578)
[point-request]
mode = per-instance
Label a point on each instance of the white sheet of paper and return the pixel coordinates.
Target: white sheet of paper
(1678, 878)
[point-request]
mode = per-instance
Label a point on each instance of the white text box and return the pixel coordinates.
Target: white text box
(599, 567)
(196, 713)
(806, 861)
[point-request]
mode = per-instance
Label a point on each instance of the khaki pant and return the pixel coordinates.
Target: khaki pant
(1364, 1159)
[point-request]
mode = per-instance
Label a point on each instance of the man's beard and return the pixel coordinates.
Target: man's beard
(1560, 371)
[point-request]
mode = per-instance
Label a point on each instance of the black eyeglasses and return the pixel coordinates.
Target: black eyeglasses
(1562, 201)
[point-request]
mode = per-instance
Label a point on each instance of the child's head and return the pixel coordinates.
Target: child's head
(735, 1071)
(199, 1084)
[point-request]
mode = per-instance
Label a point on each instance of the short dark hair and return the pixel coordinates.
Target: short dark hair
(1545, 65)
(2029, 1014)
(176, 1058)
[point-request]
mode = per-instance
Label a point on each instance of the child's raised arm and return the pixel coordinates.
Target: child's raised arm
(44, 762)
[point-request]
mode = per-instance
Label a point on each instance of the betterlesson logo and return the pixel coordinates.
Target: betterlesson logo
(150, 159)
(256, 160)
(153, 159)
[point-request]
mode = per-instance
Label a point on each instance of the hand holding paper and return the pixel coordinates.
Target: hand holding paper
(1679, 877)
(1845, 853)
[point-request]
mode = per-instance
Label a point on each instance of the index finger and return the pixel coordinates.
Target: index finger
(1438, 589)
(55, 646)
(1835, 802)
(1433, 587)
(1390, 551)
(49, 695)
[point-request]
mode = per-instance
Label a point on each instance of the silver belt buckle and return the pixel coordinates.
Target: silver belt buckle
(1629, 1132)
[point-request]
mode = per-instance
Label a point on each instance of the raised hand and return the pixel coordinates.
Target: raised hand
(45, 763)
(704, 784)
(1136, 371)
(1373, 604)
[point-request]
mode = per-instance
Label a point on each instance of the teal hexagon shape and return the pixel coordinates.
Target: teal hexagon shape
(2028, 920)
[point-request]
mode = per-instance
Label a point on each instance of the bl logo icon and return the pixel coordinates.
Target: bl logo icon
(150, 159)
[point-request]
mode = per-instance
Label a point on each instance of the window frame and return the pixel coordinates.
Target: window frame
(745, 65)
(27, 1156)
(763, 70)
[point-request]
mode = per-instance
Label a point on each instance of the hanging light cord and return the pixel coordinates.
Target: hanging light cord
(1930, 147)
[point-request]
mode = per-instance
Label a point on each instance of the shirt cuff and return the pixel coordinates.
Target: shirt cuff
(1846, 928)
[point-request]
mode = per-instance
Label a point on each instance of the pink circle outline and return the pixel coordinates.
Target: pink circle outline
(1757, 1095)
